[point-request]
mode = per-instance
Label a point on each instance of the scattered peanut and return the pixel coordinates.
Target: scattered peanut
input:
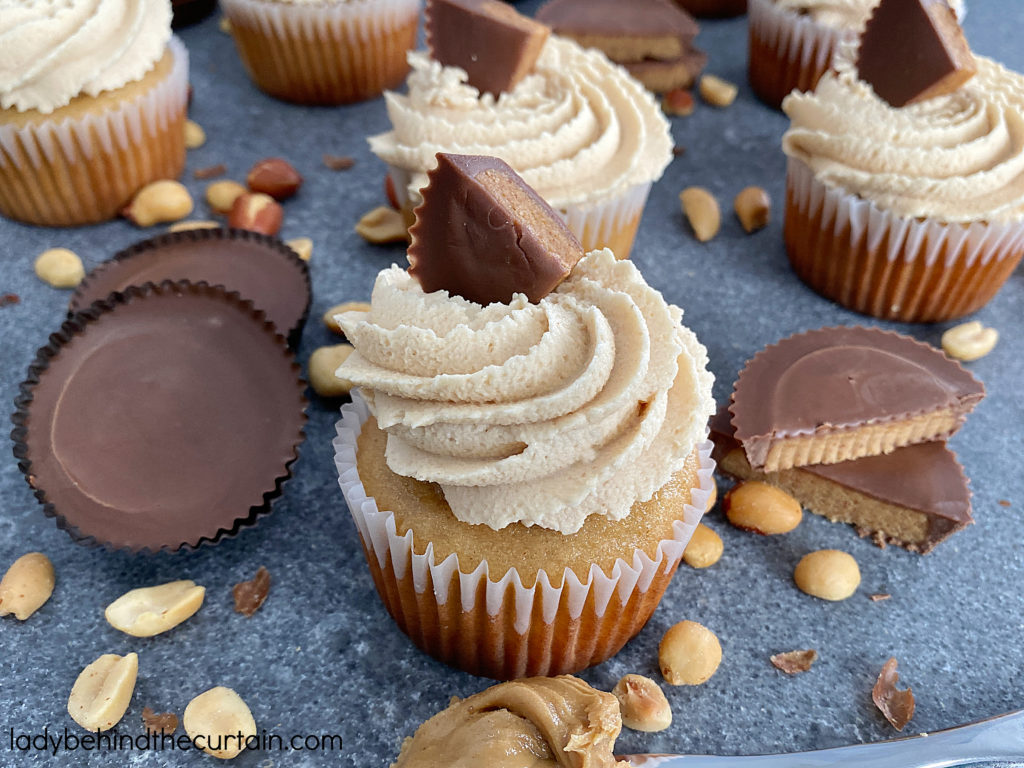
(60, 268)
(969, 341)
(679, 102)
(100, 695)
(828, 574)
(761, 508)
(26, 586)
(224, 25)
(303, 246)
(753, 208)
(195, 136)
(717, 92)
(151, 610)
(705, 548)
(275, 177)
(347, 306)
(184, 226)
(643, 704)
(256, 212)
(702, 212)
(383, 225)
(158, 202)
(221, 195)
(219, 722)
(322, 364)
(689, 654)
(713, 497)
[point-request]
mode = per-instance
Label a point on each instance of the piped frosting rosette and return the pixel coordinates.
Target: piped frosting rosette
(542, 414)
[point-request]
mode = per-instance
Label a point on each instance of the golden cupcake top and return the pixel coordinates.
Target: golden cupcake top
(54, 50)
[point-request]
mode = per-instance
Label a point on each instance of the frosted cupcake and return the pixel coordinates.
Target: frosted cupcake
(323, 51)
(792, 42)
(524, 475)
(92, 107)
(587, 136)
(913, 213)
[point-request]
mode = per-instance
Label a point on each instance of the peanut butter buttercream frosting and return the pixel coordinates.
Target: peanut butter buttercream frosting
(54, 50)
(578, 129)
(843, 14)
(955, 158)
(543, 414)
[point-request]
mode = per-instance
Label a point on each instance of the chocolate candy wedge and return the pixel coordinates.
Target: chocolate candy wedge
(496, 45)
(482, 233)
(912, 50)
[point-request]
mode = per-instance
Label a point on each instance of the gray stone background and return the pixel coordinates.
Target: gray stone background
(322, 656)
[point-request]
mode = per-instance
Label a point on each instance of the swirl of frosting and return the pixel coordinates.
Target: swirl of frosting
(955, 158)
(542, 414)
(54, 50)
(577, 129)
(843, 14)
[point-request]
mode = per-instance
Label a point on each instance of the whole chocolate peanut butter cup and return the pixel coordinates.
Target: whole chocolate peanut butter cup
(160, 418)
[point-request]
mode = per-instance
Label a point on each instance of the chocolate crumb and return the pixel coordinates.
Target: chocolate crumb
(13, 298)
(249, 595)
(792, 662)
(339, 162)
(880, 596)
(210, 172)
(1002, 502)
(678, 150)
(896, 705)
(155, 723)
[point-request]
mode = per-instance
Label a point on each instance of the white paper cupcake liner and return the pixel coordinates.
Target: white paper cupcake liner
(889, 266)
(480, 593)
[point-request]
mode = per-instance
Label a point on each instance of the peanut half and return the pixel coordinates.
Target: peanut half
(383, 225)
(303, 247)
(257, 212)
(151, 610)
(195, 136)
(158, 202)
(322, 364)
(60, 268)
(219, 722)
(702, 212)
(103, 690)
(275, 177)
(26, 586)
(828, 573)
(716, 91)
(184, 226)
(347, 306)
(761, 508)
(753, 208)
(689, 654)
(642, 704)
(705, 548)
(221, 195)
(969, 341)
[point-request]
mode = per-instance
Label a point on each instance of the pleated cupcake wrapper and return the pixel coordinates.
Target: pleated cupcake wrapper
(788, 50)
(507, 611)
(324, 53)
(607, 224)
(84, 170)
(889, 266)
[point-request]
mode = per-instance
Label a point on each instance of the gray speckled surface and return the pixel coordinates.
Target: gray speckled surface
(322, 656)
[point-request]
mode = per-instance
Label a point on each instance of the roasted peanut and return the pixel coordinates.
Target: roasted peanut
(26, 586)
(689, 654)
(159, 202)
(102, 692)
(347, 306)
(151, 610)
(642, 704)
(224, 25)
(221, 195)
(256, 212)
(705, 548)
(828, 574)
(184, 226)
(753, 208)
(383, 225)
(761, 508)
(702, 212)
(303, 247)
(678, 102)
(219, 722)
(59, 267)
(275, 177)
(717, 92)
(969, 341)
(322, 365)
(195, 136)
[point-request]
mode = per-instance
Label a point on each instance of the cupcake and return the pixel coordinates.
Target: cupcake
(911, 213)
(792, 42)
(579, 129)
(323, 51)
(92, 108)
(524, 475)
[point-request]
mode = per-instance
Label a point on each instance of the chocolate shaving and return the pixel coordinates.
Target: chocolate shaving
(896, 705)
(792, 662)
(249, 595)
(164, 723)
(678, 150)
(880, 596)
(339, 162)
(210, 171)
(12, 298)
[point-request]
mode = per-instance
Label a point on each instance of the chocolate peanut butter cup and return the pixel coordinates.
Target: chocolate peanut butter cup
(160, 418)
(261, 269)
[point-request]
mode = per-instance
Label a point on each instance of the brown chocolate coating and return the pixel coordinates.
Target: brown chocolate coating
(483, 234)
(912, 50)
(843, 378)
(261, 269)
(161, 419)
(653, 18)
(496, 45)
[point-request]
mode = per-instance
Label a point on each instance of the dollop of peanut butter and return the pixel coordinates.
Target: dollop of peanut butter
(539, 722)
